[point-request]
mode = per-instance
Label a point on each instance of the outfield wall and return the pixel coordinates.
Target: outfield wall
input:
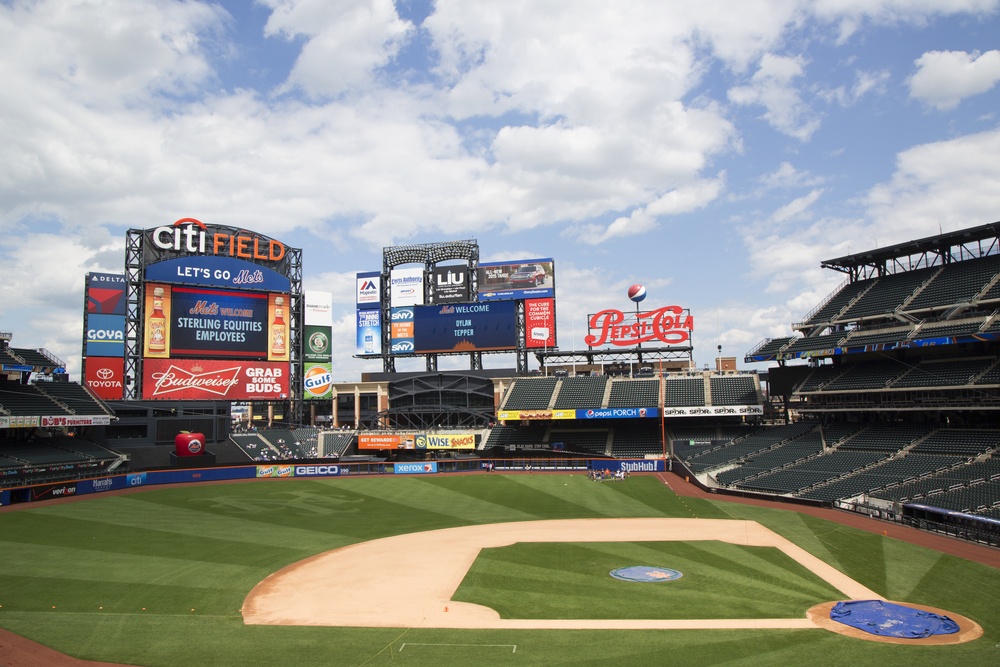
(66, 489)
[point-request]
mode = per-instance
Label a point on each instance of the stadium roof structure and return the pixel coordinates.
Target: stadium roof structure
(930, 251)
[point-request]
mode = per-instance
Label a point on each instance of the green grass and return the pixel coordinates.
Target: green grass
(77, 576)
(572, 580)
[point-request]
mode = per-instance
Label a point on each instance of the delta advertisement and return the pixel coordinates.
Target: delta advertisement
(104, 376)
(224, 272)
(106, 294)
(406, 287)
(214, 380)
(105, 336)
(520, 279)
(540, 323)
(369, 333)
(192, 322)
(465, 327)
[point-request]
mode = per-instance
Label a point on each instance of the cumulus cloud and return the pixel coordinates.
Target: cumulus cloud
(944, 78)
(773, 87)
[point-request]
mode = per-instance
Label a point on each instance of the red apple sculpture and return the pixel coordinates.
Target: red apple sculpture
(189, 444)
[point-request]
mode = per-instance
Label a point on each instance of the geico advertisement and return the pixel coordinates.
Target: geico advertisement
(446, 441)
(214, 380)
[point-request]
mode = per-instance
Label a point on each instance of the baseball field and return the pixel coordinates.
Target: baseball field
(463, 569)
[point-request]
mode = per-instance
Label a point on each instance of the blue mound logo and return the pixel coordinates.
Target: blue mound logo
(645, 573)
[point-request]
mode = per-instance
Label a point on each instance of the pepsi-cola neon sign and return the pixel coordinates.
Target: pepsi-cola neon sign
(670, 324)
(189, 235)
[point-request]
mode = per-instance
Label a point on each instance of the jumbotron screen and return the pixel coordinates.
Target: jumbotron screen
(184, 322)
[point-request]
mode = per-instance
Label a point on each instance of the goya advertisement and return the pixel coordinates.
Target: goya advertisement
(194, 322)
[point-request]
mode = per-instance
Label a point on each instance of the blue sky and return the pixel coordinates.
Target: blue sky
(714, 152)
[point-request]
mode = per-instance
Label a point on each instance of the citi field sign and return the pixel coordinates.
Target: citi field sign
(189, 236)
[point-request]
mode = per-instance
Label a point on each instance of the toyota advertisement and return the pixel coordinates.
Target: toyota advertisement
(103, 376)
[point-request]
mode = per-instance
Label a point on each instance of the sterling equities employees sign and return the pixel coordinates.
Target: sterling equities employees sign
(670, 324)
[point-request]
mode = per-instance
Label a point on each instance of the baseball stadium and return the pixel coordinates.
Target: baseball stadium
(207, 494)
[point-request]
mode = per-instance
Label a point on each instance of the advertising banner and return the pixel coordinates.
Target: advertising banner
(369, 291)
(406, 287)
(18, 421)
(714, 411)
(74, 420)
(105, 336)
(540, 323)
(318, 308)
(201, 379)
(106, 293)
(275, 471)
(671, 325)
(445, 441)
(520, 279)
(317, 349)
(618, 413)
(385, 441)
(198, 322)
(320, 471)
(642, 465)
(104, 376)
(401, 331)
(417, 468)
(224, 272)
(317, 381)
(450, 284)
(505, 415)
(188, 236)
(369, 332)
(465, 327)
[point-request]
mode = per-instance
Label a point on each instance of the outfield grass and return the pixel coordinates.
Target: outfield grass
(77, 576)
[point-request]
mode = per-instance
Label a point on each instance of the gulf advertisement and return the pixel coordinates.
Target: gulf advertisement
(224, 272)
(368, 333)
(540, 323)
(284, 471)
(194, 322)
(518, 279)
(105, 377)
(105, 336)
(406, 287)
(317, 381)
(465, 327)
(202, 379)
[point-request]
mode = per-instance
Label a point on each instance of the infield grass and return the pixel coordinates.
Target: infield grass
(158, 577)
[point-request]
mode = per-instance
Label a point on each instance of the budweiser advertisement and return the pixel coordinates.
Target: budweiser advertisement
(214, 380)
(103, 376)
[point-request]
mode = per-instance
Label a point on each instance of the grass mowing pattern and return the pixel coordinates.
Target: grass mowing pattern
(204, 547)
(571, 580)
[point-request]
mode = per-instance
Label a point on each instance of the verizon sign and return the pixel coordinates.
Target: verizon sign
(214, 380)
(670, 324)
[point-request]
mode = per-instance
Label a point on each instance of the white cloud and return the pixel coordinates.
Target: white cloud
(944, 78)
(797, 209)
(772, 87)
